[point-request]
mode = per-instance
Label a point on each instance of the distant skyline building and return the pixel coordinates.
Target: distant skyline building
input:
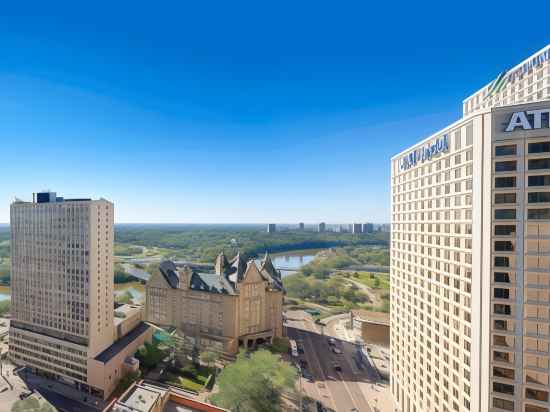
(470, 254)
(368, 227)
(322, 227)
(301, 226)
(271, 228)
(62, 294)
(356, 228)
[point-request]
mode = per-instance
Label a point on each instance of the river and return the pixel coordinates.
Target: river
(286, 262)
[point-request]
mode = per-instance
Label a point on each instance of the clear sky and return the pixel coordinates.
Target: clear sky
(203, 111)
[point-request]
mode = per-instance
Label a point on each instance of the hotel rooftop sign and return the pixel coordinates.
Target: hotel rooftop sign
(424, 153)
(511, 76)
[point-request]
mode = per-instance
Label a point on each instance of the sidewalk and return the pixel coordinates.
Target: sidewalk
(378, 396)
(34, 381)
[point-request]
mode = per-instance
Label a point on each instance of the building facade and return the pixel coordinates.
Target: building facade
(240, 305)
(368, 228)
(322, 227)
(271, 228)
(470, 294)
(62, 289)
(356, 228)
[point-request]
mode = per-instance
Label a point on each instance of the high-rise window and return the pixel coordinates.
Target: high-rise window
(508, 166)
(507, 150)
(538, 214)
(504, 246)
(537, 164)
(505, 198)
(502, 277)
(501, 293)
(502, 182)
(502, 261)
(538, 197)
(541, 147)
(505, 230)
(505, 213)
(539, 180)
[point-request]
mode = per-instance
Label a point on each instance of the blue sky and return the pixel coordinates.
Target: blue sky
(205, 112)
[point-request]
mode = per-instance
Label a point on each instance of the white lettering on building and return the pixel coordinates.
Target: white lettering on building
(521, 120)
(424, 153)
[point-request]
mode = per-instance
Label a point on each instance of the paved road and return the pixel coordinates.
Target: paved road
(64, 404)
(339, 391)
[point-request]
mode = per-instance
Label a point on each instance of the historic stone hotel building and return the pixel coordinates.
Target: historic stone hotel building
(470, 254)
(239, 305)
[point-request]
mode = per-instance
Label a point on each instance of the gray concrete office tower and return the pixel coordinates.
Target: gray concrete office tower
(322, 227)
(470, 254)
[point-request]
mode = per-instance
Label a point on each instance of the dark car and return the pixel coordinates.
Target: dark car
(300, 346)
(303, 363)
(307, 375)
(337, 367)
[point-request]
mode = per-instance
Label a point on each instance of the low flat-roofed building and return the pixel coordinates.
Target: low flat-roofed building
(106, 369)
(148, 397)
(126, 318)
(374, 326)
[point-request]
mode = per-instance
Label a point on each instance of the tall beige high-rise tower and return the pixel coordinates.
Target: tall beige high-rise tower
(470, 254)
(62, 285)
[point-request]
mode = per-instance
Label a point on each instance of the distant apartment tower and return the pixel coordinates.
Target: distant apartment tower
(301, 226)
(368, 228)
(62, 305)
(322, 227)
(470, 254)
(271, 228)
(357, 228)
(385, 227)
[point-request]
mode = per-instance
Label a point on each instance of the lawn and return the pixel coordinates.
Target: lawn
(189, 377)
(372, 280)
(185, 382)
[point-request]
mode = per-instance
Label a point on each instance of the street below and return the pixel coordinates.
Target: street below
(337, 390)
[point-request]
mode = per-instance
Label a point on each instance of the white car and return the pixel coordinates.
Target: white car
(337, 350)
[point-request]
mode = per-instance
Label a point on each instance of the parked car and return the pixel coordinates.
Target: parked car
(337, 367)
(306, 375)
(303, 363)
(336, 350)
(331, 341)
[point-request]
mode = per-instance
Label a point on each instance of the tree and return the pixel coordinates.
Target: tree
(126, 381)
(32, 404)
(280, 345)
(149, 355)
(195, 354)
(209, 357)
(255, 383)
